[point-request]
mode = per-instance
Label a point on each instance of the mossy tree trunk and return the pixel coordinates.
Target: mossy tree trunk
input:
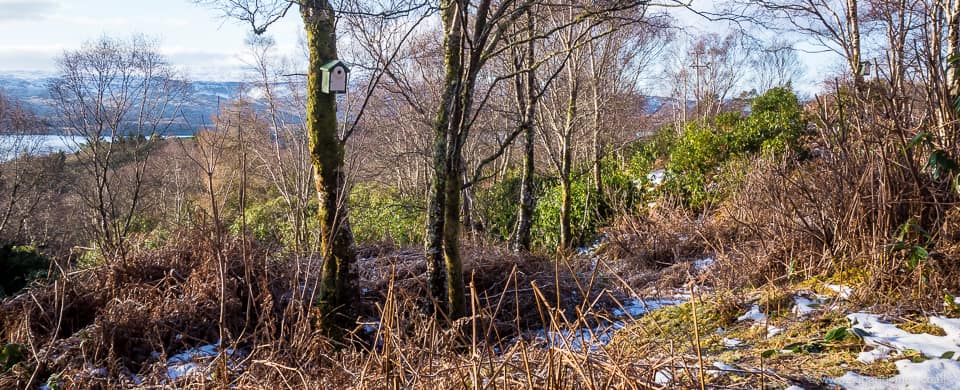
(566, 158)
(948, 133)
(522, 239)
(338, 284)
(444, 190)
(461, 67)
(602, 208)
(525, 86)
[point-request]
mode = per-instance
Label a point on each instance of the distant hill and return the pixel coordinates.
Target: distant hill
(31, 88)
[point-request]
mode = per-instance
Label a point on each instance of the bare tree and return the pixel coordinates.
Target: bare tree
(285, 157)
(338, 283)
(775, 64)
(473, 33)
(22, 177)
(120, 97)
(616, 63)
(834, 24)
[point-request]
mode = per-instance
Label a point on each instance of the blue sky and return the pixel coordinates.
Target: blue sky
(34, 32)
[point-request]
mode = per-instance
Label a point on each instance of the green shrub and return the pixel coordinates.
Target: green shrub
(378, 213)
(619, 189)
(546, 221)
(21, 264)
(706, 158)
(587, 213)
(694, 161)
(91, 258)
(644, 154)
(271, 221)
(774, 125)
(498, 203)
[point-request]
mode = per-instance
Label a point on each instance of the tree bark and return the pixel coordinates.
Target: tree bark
(338, 285)
(566, 237)
(948, 127)
(456, 301)
(853, 29)
(445, 140)
(526, 102)
(953, 44)
(527, 200)
(602, 208)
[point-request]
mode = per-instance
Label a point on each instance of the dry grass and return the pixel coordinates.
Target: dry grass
(115, 326)
(657, 246)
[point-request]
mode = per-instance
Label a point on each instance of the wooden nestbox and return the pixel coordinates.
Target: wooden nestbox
(334, 74)
(865, 68)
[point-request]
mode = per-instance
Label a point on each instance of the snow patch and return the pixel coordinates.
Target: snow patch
(656, 177)
(878, 353)
(594, 338)
(639, 307)
(773, 331)
(703, 263)
(579, 339)
(753, 314)
(722, 368)
(805, 306)
(195, 361)
(732, 343)
(878, 333)
(663, 377)
(844, 292)
(934, 374)
(760, 320)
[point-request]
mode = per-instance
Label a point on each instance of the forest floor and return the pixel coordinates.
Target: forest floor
(572, 322)
(813, 334)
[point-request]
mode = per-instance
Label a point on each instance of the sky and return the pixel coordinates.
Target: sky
(195, 38)
(33, 33)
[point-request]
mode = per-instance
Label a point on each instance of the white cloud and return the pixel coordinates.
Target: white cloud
(26, 10)
(34, 58)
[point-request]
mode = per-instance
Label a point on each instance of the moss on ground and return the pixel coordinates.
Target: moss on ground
(808, 349)
(920, 325)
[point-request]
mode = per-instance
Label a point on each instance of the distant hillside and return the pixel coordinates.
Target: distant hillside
(31, 88)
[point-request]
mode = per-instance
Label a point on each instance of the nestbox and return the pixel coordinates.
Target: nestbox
(334, 74)
(865, 68)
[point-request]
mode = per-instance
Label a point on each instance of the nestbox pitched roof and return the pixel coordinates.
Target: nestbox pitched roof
(335, 63)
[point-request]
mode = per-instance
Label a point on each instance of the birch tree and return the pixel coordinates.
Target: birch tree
(119, 96)
(338, 294)
(338, 282)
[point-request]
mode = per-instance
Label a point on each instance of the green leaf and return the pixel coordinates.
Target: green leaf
(795, 347)
(917, 255)
(947, 355)
(921, 137)
(813, 347)
(898, 246)
(11, 354)
(941, 163)
(768, 353)
(860, 332)
(836, 334)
